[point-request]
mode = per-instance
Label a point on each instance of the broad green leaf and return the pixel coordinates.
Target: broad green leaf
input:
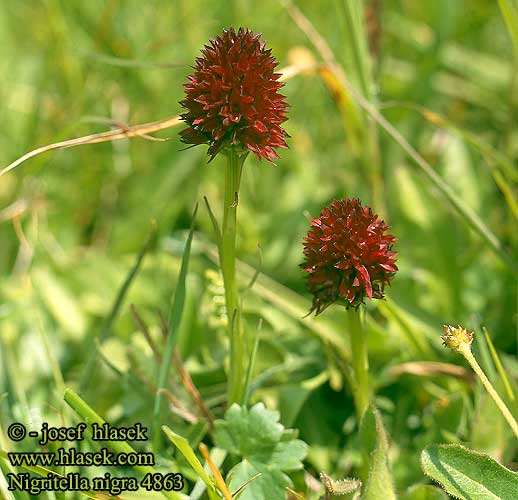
(374, 443)
(424, 492)
(271, 484)
(266, 448)
(185, 449)
(469, 475)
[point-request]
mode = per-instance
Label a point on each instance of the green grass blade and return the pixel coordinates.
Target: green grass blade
(217, 456)
(173, 324)
(114, 312)
(509, 9)
(480, 144)
(7, 468)
(49, 350)
(89, 416)
(465, 212)
(499, 367)
(214, 221)
(44, 472)
(185, 449)
(356, 38)
(250, 369)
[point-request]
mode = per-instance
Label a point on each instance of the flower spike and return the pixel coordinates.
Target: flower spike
(348, 255)
(232, 97)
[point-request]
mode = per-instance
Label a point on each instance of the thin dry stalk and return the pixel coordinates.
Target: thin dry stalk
(466, 212)
(145, 331)
(191, 389)
(141, 130)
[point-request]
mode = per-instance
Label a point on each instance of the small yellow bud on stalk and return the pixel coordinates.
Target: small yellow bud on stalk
(459, 340)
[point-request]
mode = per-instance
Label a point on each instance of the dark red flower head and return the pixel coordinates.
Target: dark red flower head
(232, 98)
(348, 255)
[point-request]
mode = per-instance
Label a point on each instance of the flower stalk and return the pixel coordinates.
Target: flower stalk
(465, 350)
(459, 340)
(348, 259)
(233, 170)
(232, 104)
(360, 362)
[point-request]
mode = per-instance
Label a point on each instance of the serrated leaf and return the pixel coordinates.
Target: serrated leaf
(469, 475)
(266, 448)
(374, 442)
(424, 492)
(288, 454)
(270, 485)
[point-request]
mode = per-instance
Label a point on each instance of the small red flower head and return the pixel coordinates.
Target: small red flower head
(348, 255)
(232, 98)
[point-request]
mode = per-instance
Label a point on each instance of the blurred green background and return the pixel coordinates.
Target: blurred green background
(73, 221)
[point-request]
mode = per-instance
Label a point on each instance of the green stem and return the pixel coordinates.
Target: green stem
(228, 268)
(360, 363)
(465, 350)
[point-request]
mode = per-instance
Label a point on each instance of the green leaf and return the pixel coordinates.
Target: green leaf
(498, 364)
(424, 492)
(89, 416)
(266, 448)
(217, 456)
(173, 324)
(509, 10)
(374, 442)
(109, 321)
(468, 475)
(43, 472)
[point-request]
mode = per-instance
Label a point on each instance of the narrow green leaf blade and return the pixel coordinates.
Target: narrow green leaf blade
(44, 472)
(468, 475)
(185, 449)
(500, 368)
(174, 322)
(89, 416)
(509, 10)
(114, 312)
